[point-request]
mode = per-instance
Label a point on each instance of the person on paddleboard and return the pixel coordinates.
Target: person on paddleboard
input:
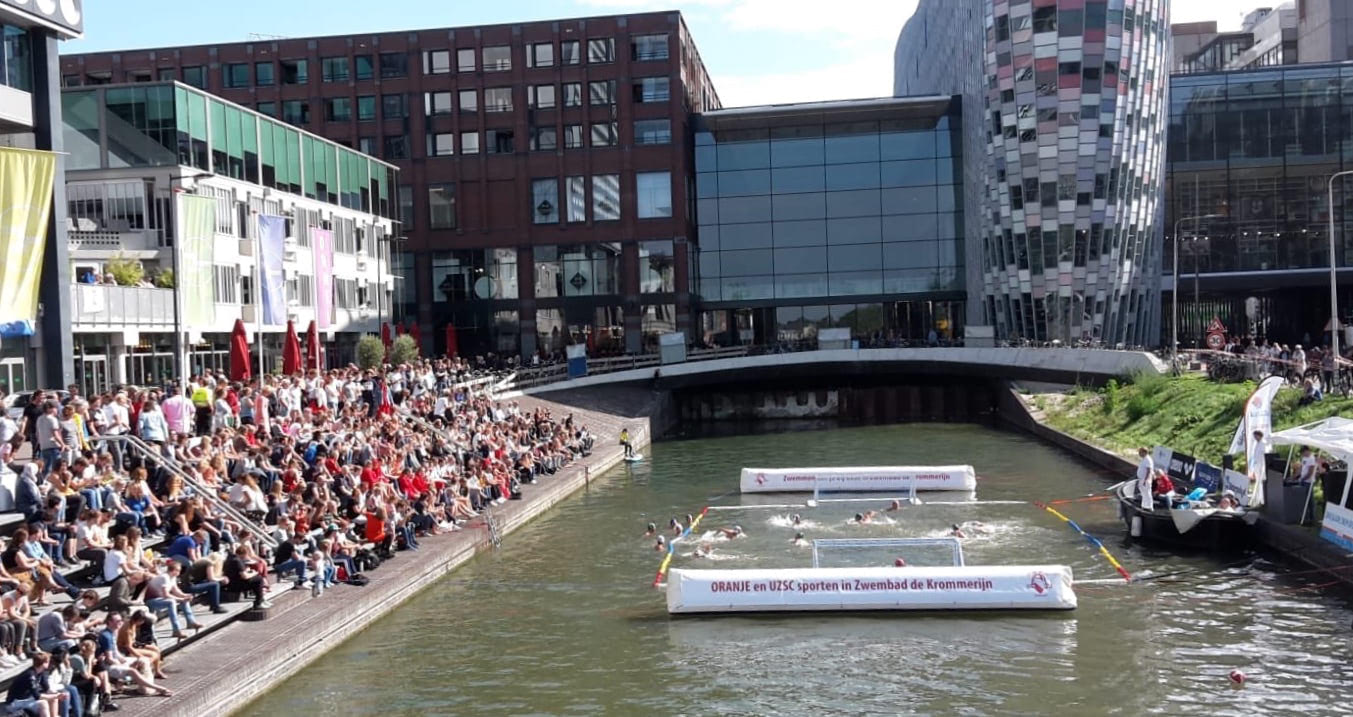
(625, 441)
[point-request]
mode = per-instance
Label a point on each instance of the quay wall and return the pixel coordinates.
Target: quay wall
(223, 672)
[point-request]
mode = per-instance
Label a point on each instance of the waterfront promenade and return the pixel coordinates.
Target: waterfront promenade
(222, 671)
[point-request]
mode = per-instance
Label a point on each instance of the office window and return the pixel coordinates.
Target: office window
(406, 213)
(601, 92)
(465, 60)
(601, 50)
(605, 197)
(295, 72)
(604, 134)
(577, 198)
(334, 69)
(540, 55)
(394, 64)
(164, 74)
(498, 141)
(540, 96)
(573, 94)
(437, 103)
(440, 144)
(396, 146)
(363, 67)
(442, 206)
(654, 194)
(570, 52)
(267, 108)
(469, 101)
(543, 139)
(265, 74)
(497, 58)
(366, 108)
(652, 89)
(195, 75)
(235, 74)
(657, 131)
(436, 62)
(367, 145)
(573, 136)
(497, 99)
(338, 109)
(545, 201)
(469, 143)
(394, 106)
(648, 47)
(296, 112)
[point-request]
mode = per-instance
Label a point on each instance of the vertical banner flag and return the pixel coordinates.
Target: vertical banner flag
(272, 232)
(322, 247)
(196, 235)
(26, 178)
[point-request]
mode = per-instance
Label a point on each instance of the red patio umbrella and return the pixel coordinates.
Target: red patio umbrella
(291, 351)
(312, 346)
(417, 335)
(239, 354)
(451, 345)
(385, 335)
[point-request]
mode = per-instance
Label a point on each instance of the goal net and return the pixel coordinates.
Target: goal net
(844, 553)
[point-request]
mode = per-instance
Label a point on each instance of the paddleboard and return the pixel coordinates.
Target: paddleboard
(634, 458)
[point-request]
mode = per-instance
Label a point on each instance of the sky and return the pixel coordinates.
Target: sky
(756, 51)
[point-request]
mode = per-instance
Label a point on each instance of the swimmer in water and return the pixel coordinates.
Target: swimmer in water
(865, 517)
(899, 563)
(675, 525)
(798, 540)
(956, 532)
(977, 527)
(661, 545)
(652, 530)
(795, 520)
(895, 505)
(690, 520)
(704, 551)
(731, 533)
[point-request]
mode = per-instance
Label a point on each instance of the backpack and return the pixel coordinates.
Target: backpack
(358, 580)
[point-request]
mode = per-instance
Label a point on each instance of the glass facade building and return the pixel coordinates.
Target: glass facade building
(841, 214)
(1253, 152)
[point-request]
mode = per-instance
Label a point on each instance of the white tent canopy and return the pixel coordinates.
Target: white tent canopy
(1332, 435)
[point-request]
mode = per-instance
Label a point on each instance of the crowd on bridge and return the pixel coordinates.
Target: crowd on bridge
(146, 505)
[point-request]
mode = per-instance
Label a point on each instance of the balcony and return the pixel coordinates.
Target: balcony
(98, 306)
(88, 240)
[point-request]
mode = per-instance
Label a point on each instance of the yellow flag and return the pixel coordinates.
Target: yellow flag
(26, 178)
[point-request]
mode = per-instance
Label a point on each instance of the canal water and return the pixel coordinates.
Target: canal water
(561, 620)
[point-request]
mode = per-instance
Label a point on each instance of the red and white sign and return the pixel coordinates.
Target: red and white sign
(972, 587)
(863, 478)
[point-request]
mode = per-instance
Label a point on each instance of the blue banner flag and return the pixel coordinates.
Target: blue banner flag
(1206, 475)
(272, 232)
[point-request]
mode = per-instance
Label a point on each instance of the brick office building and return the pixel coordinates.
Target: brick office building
(544, 165)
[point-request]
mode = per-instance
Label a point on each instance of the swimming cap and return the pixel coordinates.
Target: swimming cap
(652, 526)
(954, 526)
(798, 536)
(859, 517)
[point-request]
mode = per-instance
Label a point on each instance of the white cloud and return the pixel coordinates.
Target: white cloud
(861, 77)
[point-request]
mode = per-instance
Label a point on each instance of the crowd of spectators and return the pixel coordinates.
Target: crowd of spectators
(308, 480)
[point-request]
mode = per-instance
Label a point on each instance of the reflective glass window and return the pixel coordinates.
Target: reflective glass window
(812, 232)
(744, 183)
(910, 255)
(799, 206)
(852, 148)
(855, 283)
(756, 235)
(800, 260)
(909, 173)
(796, 152)
(855, 230)
(746, 262)
(854, 257)
(743, 155)
(786, 180)
(857, 203)
(735, 210)
(863, 175)
(907, 145)
(909, 200)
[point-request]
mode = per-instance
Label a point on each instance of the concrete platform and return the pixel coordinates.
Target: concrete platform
(223, 670)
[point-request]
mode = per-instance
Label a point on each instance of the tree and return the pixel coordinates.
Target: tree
(403, 350)
(370, 352)
(125, 271)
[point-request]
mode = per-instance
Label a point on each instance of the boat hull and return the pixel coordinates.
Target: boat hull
(1217, 532)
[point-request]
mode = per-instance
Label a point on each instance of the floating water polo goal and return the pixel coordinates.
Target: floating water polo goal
(858, 478)
(932, 587)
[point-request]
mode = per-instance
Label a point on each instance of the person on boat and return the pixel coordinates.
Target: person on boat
(661, 545)
(1162, 490)
(1145, 469)
(731, 533)
(652, 530)
(899, 563)
(1228, 501)
(956, 532)
(894, 506)
(798, 540)
(625, 441)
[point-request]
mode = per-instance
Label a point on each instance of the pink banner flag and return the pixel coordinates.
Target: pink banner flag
(322, 247)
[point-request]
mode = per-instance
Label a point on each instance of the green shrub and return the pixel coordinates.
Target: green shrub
(1111, 390)
(165, 279)
(403, 350)
(126, 272)
(370, 352)
(1140, 406)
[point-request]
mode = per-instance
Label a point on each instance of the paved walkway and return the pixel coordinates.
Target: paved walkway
(222, 671)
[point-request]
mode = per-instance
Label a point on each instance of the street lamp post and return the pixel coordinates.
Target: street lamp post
(180, 346)
(1174, 294)
(1334, 283)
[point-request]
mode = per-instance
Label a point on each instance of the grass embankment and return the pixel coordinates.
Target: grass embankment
(1188, 413)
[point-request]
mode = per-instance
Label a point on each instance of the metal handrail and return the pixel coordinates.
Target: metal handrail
(207, 492)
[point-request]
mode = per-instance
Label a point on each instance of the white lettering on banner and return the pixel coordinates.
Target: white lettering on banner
(887, 588)
(765, 480)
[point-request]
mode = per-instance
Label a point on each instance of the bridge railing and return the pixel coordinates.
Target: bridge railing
(553, 373)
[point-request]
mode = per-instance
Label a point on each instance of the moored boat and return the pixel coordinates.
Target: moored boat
(1205, 528)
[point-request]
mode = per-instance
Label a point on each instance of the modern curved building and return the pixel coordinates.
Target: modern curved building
(1064, 117)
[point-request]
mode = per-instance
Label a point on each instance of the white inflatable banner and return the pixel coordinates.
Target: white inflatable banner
(977, 587)
(863, 478)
